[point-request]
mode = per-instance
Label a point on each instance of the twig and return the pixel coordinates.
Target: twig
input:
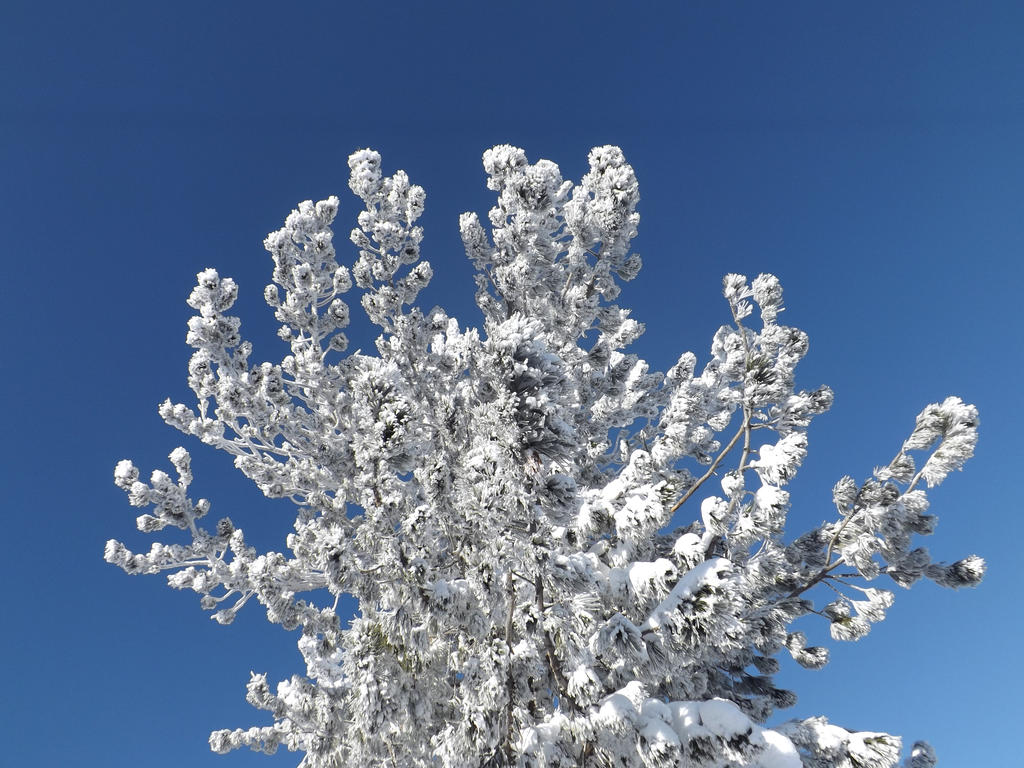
(711, 470)
(549, 647)
(509, 676)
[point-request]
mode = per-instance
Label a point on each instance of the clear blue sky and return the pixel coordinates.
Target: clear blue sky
(869, 154)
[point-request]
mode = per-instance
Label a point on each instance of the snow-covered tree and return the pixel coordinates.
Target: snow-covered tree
(561, 557)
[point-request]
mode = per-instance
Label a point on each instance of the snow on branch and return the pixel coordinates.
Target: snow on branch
(561, 557)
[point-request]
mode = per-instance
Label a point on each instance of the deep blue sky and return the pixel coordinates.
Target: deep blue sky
(869, 154)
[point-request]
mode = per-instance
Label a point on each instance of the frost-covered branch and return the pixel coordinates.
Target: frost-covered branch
(528, 594)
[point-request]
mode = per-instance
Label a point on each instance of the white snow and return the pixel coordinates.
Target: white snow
(779, 752)
(686, 719)
(707, 573)
(723, 718)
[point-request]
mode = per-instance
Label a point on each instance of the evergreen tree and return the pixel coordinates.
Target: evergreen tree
(561, 558)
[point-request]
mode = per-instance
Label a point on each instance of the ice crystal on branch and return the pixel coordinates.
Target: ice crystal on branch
(505, 503)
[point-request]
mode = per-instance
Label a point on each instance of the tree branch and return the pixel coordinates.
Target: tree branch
(549, 648)
(711, 470)
(509, 676)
